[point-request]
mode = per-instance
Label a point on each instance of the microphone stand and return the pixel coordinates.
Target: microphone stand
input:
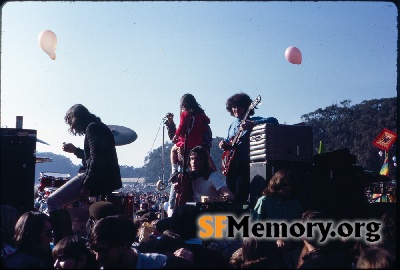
(163, 184)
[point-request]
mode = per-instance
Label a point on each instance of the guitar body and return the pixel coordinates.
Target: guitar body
(226, 159)
(185, 190)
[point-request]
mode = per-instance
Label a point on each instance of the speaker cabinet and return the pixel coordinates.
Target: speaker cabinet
(340, 192)
(18, 162)
(261, 173)
(281, 142)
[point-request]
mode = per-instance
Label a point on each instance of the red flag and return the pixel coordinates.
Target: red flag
(385, 139)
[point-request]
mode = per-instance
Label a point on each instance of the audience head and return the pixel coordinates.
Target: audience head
(388, 234)
(376, 257)
(99, 210)
(144, 206)
(281, 183)
(9, 217)
(389, 218)
(72, 253)
(33, 230)
(257, 253)
(166, 244)
(312, 215)
(183, 222)
(102, 209)
(111, 239)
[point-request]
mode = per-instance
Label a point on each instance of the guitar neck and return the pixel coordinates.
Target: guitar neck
(235, 139)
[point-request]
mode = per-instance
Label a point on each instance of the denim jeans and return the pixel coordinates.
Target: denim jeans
(172, 197)
(66, 194)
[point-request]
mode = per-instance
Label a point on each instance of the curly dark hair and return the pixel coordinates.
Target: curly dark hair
(241, 100)
(78, 118)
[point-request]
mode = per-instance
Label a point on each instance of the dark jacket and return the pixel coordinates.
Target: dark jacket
(102, 174)
(29, 259)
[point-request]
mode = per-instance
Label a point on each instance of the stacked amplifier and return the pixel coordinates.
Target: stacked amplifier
(274, 147)
(18, 161)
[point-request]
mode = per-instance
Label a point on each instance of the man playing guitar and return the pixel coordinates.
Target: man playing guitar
(237, 171)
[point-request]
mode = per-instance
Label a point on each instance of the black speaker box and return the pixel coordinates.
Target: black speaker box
(339, 192)
(261, 173)
(18, 163)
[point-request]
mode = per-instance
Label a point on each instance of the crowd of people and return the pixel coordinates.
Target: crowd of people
(147, 241)
(160, 228)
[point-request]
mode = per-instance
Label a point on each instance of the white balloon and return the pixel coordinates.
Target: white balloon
(48, 42)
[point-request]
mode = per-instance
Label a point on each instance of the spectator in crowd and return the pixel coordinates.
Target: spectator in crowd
(388, 230)
(377, 257)
(321, 255)
(33, 234)
(277, 204)
(9, 217)
(99, 210)
(184, 224)
(257, 253)
(72, 253)
(111, 241)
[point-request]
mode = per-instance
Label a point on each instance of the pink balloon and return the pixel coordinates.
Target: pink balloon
(293, 55)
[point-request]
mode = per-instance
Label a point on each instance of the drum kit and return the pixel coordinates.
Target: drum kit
(49, 182)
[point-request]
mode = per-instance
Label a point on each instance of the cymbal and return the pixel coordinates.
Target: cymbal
(123, 135)
(43, 159)
(39, 140)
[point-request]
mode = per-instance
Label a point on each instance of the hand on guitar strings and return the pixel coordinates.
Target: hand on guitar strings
(248, 125)
(178, 188)
(225, 146)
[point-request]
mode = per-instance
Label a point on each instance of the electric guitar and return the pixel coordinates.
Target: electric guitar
(229, 154)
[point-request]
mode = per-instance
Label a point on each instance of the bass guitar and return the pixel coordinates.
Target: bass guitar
(228, 155)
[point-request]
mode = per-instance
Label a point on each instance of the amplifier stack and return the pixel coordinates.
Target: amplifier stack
(274, 147)
(18, 147)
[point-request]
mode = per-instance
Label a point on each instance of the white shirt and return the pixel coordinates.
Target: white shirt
(210, 187)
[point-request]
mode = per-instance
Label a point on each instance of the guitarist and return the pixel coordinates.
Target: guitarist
(238, 175)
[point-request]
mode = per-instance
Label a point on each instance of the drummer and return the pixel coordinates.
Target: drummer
(101, 176)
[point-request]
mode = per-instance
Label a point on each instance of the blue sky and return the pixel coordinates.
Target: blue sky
(130, 62)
